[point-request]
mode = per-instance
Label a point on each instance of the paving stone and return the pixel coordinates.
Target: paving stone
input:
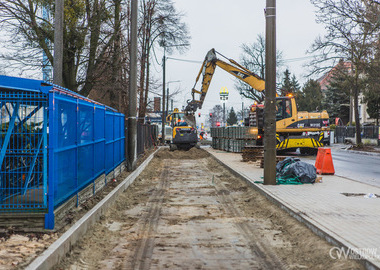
(353, 221)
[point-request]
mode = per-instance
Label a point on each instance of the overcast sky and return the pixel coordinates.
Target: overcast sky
(225, 25)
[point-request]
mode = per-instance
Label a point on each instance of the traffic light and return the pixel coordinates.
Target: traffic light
(199, 114)
(210, 115)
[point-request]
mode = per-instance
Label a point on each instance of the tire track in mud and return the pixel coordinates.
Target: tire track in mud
(261, 257)
(266, 257)
(148, 228)
(186, 211)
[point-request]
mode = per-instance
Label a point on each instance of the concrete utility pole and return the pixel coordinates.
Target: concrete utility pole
(163, 97)
(242, 112)
(58, 43)
(270, 95)
(132, 108)
(167, 101)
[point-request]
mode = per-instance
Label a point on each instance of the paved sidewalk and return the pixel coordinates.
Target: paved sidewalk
(349, 221)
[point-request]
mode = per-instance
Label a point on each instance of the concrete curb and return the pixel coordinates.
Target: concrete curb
(341, 148)
(61, 246)
(324, 233)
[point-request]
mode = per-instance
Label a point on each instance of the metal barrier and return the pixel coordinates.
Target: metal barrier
(232, 139)
(147, 136)
(23, 156)
(54, 143)
(367, 132)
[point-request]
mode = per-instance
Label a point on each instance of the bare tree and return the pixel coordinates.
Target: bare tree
(111, 73)
(161, 25)
(216, 115)
(352, 30)
(88, 35)
(253, 58)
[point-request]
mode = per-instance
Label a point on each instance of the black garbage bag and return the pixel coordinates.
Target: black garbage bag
(287, 161)
(295, 170)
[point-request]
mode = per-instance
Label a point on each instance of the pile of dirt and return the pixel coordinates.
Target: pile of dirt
(193, 153)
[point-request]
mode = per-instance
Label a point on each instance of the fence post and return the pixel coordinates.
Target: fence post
(49, 217)
(45, 153)
(77, 137)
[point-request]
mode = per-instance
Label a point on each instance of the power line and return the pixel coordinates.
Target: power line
(185, 60)
(300, 58)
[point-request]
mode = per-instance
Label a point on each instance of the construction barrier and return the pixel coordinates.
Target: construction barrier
(232, 139)
(324, 163)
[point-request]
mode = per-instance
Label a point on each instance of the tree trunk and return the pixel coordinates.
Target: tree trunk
(357, 120)
(146, 84)
(142, 81)
(116, 65)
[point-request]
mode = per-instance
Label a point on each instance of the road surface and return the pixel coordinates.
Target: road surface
(355, 166)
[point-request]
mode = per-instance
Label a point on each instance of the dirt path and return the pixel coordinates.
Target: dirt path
(186, 211)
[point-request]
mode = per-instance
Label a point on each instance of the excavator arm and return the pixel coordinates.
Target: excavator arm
(207, 70)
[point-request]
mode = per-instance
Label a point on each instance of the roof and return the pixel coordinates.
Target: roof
(22, 84)
(324, 81)
(31, 85)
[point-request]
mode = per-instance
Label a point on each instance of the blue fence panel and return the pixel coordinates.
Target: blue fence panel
(54, 143)
(87, 144)
(23, 140)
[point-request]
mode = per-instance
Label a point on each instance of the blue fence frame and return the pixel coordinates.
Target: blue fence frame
(54, 143)
(23, 154)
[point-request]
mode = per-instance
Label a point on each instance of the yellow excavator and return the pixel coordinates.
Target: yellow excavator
(294, 129)
(184, 134)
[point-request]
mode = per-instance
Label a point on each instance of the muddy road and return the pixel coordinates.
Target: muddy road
(186, 211)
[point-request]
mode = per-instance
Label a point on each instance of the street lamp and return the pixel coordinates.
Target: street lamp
(223, 98)
(167, 96)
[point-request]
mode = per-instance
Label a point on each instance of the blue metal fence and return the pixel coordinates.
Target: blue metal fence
(23, 153)
(54, 143)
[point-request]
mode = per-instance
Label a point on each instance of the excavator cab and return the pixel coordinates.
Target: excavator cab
(283, 108)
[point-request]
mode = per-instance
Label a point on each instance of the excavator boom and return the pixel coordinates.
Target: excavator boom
(207, 70)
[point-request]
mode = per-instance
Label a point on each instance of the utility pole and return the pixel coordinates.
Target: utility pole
(58, 43)
(163, 97)
(167, 97)
(270, 95)
(132, 108)
(163, 89)
(167, 101)
(242, 112)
